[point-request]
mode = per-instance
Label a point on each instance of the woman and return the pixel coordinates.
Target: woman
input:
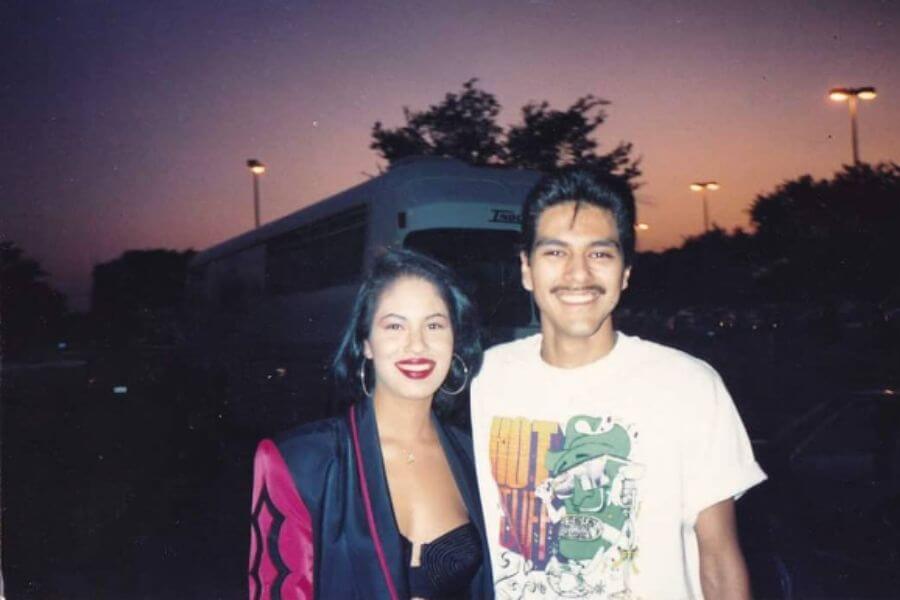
(380, 502)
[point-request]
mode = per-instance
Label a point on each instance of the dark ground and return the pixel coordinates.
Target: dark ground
(140, 495)
(147, 494)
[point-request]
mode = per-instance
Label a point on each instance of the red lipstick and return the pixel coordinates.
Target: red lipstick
(415, 368)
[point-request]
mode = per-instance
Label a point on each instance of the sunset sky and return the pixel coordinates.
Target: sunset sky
(126, 124)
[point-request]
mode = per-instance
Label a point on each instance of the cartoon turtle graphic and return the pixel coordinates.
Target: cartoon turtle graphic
(587, 476)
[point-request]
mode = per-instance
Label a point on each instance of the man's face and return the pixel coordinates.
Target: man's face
(576, 272)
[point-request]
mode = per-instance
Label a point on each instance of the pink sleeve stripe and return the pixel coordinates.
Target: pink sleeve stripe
(281, 535)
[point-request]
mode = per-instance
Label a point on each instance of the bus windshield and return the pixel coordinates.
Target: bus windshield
(487, 261)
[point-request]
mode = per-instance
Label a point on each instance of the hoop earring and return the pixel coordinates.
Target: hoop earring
(362, 378)
(465, 369)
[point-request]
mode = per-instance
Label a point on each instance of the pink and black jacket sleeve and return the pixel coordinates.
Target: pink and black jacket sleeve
(311, 531)
(282, 547)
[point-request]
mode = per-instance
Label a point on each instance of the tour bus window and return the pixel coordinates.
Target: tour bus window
(318, 255)
(488, 263)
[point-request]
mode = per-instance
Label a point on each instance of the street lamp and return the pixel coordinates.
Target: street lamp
(639, 228)
(702, 186)
(849, 95)
(257, 168)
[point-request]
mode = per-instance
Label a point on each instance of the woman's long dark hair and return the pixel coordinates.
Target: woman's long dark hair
(386, 269)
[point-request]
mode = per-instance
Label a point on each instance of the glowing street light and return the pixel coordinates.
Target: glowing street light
(703, 186)
(639, 228)
(849, 95)
(257, 168)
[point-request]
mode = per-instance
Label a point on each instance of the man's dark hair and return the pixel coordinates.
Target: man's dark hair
(581, 187)
(389, 267)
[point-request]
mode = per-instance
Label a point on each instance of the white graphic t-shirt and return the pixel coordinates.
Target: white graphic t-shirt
(592, 478)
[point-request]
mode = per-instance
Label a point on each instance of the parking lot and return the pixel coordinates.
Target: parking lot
(144, 492)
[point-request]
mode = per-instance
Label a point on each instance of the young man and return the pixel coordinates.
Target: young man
(607, 465)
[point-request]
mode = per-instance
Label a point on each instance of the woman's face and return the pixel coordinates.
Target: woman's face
(411, 340)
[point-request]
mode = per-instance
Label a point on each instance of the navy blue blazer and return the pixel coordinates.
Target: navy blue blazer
(310, 535)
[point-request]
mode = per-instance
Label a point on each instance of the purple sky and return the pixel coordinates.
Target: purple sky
(127, 124)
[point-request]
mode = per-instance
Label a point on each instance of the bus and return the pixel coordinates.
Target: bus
(266, 308)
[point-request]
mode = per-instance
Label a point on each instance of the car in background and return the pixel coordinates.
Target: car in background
(827, 522)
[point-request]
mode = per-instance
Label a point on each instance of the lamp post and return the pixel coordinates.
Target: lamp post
(702, 186)
(639, 227)
(850, 95)
(257, 168)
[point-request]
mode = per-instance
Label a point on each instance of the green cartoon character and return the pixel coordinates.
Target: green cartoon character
(592, 481)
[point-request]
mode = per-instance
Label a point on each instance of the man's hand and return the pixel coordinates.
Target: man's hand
(723, 573)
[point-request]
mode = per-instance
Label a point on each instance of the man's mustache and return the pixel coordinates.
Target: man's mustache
(587, 288)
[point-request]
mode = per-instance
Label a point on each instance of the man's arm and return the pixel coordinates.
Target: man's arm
(723, 573)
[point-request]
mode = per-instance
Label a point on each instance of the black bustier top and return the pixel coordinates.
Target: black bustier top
(447, 564)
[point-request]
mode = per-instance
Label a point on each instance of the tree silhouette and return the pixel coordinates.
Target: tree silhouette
(837, 236)
(464, 126)
(816, 242)
(549, 139)
(713, 268)
(136, 296)
(31, 312)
